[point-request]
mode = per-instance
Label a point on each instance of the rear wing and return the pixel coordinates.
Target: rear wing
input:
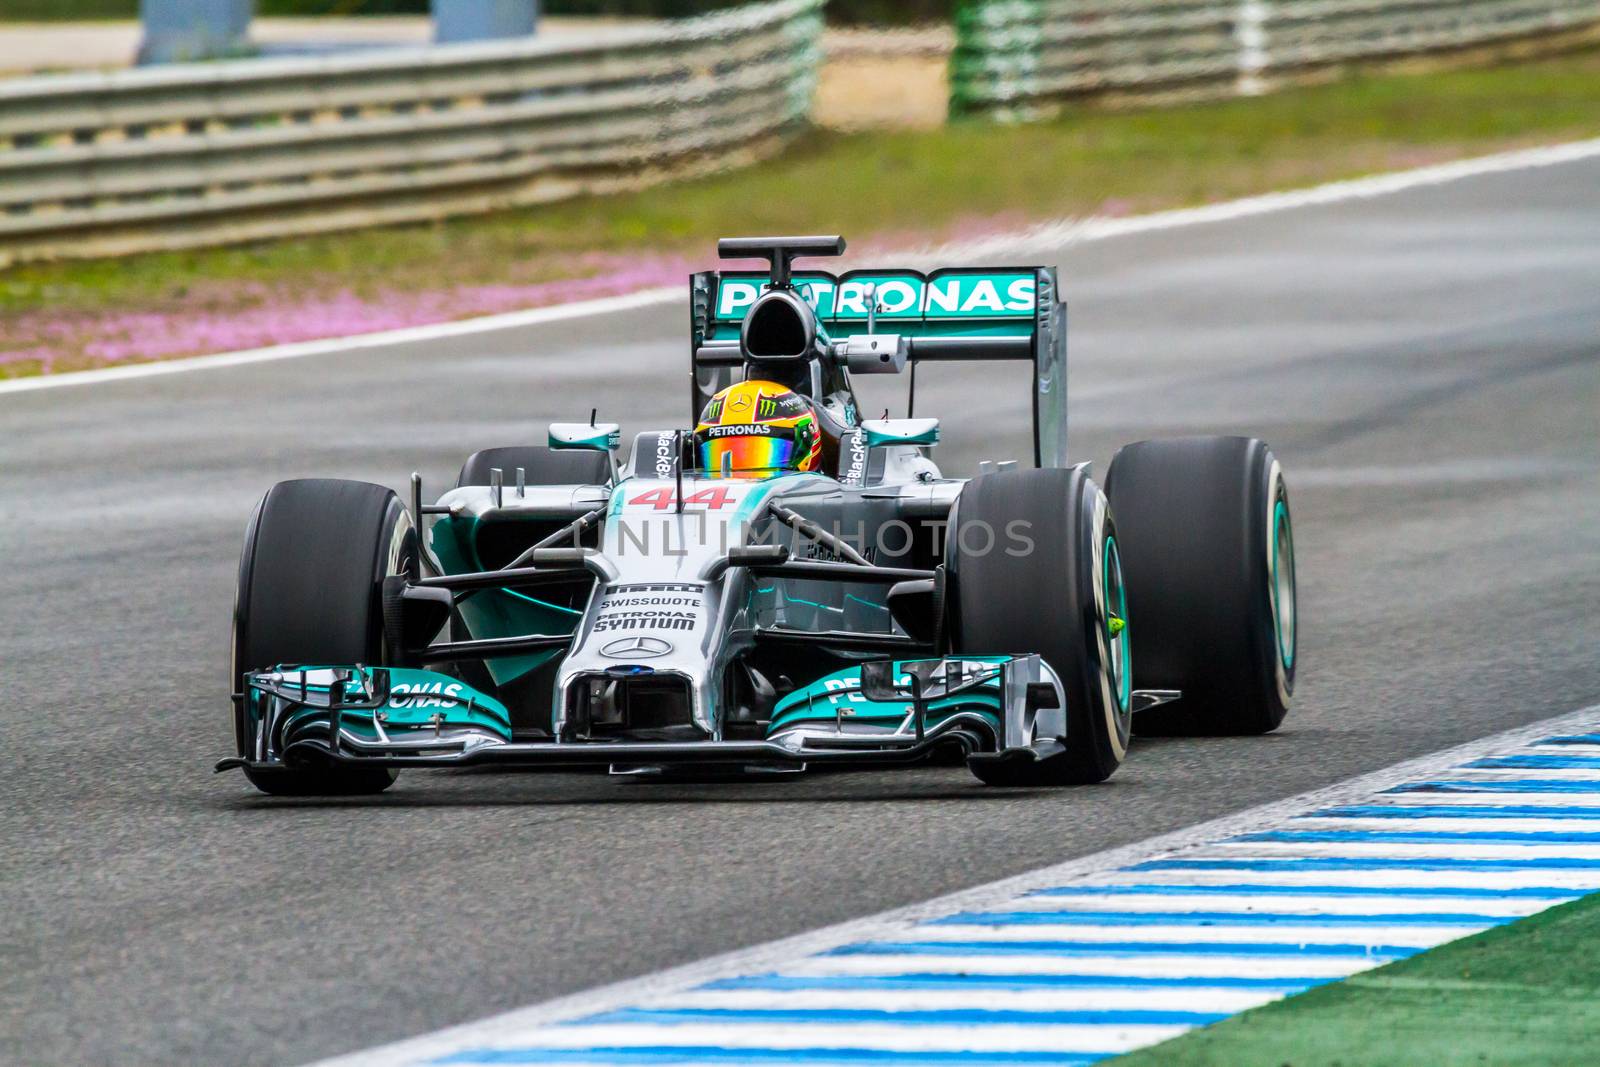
(950, 314)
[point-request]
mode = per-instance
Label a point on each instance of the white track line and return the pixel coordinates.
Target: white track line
(438, 331)
(1220, 958)
(1045, 237)
(1057, 234)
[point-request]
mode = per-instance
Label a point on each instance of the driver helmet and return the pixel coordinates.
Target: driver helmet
(756, 429)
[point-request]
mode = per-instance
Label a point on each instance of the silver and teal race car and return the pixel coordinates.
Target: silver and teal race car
(567, 606)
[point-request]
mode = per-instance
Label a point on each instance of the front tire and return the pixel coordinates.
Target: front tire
(1058, 597)
(1208, 549)
(310, 591)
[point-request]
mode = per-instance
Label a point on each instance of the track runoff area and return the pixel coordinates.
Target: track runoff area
(1083, 961)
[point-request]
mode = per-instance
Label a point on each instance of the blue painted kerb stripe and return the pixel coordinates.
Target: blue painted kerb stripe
(941, 980)
(1253, 889)
(1455, 811)
(1211, 918)
(1375, 863)
(1484, 785)
(1536, 760)
(1425, 837)
(1113, 948)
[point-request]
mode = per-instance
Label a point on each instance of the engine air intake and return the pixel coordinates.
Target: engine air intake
(780, 326)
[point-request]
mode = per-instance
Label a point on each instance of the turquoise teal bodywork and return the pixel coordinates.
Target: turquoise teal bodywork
(416, 698)
(836, 698)
(1286, 644)
(947, 303)
(497, 612)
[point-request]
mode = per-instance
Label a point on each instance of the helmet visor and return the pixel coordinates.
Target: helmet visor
(747, 453)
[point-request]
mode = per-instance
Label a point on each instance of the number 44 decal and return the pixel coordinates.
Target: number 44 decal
(662, 499)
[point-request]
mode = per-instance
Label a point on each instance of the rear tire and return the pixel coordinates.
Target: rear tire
(310, 591)
(540, 466)
(1054, 598)
(1208, 549)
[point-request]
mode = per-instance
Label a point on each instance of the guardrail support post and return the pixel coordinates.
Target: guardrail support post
(483, 20)
(178, 31)
(1250, 35)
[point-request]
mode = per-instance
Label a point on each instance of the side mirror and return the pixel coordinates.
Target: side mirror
(597, 437)
(900, 432)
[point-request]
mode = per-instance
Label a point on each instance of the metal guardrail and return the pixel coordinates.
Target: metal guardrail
(1022, 58)
(167, 157)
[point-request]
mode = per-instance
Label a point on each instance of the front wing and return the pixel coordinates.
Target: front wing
(387, 716)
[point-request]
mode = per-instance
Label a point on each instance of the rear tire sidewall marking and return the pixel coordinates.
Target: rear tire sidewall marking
(1281, 580)
(1116, 596)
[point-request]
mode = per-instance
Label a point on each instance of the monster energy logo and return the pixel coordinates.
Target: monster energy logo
(766, 408)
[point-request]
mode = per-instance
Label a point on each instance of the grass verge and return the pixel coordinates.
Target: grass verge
(1522, 995)
(884, 190)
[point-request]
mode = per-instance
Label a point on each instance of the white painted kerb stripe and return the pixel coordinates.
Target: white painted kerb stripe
(1046, 237)
(1174, 965)
(998, 1038)
(1245, 903)
(1198, 998)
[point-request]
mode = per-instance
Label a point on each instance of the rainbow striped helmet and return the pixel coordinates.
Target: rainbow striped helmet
(757, 429)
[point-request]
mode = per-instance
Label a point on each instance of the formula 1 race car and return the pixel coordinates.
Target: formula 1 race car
(786, 586)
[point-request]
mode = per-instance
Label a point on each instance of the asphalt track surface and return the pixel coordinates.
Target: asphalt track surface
(1425, 364)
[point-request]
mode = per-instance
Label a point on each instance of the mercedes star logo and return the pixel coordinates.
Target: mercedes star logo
(636, 648)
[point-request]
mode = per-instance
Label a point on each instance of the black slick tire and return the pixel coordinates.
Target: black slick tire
(1010, 596)
(310, 591)
(1208, 554)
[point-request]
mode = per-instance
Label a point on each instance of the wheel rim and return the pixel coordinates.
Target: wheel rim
(1283, 585)
(1118, 644)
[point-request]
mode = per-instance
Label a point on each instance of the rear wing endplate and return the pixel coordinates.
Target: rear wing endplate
(952, 314)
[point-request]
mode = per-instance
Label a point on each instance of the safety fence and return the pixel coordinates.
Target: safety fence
(200, 153)
(1023, 58)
